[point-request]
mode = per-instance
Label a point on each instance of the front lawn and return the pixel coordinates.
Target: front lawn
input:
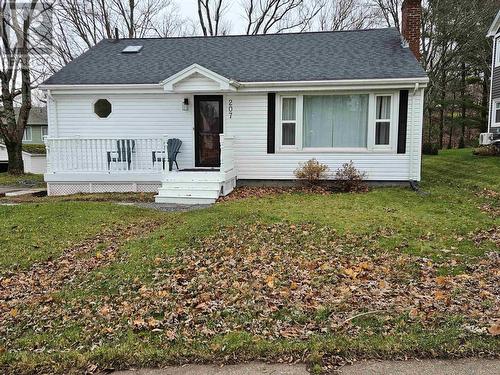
(310, 277)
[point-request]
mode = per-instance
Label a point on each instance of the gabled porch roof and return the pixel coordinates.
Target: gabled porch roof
(213, 81)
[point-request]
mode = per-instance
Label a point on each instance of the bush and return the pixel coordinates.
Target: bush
(312, 172)
(34, 149)
(429, 149)
(349, 179)
(490, 150)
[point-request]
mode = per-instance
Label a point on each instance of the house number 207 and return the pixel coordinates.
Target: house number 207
(230, 108)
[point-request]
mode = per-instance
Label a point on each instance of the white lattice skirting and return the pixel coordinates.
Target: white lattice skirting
(67, 188)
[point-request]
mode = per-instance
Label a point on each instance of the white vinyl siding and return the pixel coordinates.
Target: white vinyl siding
(197, 83)
(249, 127)
(134, 115)
(159, 114)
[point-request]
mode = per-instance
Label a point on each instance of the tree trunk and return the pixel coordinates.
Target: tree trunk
(15, 154)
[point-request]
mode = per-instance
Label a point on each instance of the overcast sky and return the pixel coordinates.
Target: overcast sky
(189, 9)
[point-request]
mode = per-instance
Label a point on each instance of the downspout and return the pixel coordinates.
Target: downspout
(410, 129)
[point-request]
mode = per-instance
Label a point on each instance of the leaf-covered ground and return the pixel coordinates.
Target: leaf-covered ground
(283, 276)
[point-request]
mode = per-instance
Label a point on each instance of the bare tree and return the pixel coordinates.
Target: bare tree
(210, 13)
(345, 15)
(81, 24)
(265, 16)
(389, 11)
(16, 48)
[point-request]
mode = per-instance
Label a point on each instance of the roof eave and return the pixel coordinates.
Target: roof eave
(494, 26)
(241, 86)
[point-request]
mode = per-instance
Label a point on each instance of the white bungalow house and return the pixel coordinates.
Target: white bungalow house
(245, 108)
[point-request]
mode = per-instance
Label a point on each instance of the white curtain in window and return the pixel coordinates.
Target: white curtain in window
(335, 120)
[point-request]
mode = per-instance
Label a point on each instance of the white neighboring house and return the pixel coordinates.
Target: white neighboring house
(33, 163)
(246, 108)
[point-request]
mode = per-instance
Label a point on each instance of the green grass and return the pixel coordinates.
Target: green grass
(24, 180)
(37, 232)
(438, 226)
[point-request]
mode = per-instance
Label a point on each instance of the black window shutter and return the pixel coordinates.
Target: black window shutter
(403, 121)
(271, 122)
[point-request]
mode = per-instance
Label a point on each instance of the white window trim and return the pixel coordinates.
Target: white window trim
(496, 46)
(371, 147)
(392, 122)
(45, 131)
(28, 131)
(298, 123)
(494, 114)
(93, 107)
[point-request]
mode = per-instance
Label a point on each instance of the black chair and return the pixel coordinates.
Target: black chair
(173, 148)
(124, 150)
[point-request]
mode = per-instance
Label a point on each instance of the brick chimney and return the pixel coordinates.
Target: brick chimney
(411, 12)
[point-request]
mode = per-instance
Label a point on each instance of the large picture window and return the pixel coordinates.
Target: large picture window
(335, 121)
(338, 122)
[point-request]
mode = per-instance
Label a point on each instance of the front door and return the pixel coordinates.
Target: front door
(207, 127)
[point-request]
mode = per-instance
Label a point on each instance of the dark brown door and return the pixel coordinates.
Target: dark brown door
(207, 127)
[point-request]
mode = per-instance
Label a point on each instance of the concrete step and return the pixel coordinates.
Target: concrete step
(191, 185)
(193, 177)
(184, 200)
(168, 192)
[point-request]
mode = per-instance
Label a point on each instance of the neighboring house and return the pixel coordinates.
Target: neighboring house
(36, 127)
(493, 134)
(33, 162)
(246, 108)
(35, 130)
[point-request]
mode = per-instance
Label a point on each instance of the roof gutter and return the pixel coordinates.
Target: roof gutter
(355, 83)
(340, 82)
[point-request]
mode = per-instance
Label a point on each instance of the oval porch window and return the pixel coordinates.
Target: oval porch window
(102, 108)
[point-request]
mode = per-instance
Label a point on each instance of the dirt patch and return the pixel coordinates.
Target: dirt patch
(244, 192)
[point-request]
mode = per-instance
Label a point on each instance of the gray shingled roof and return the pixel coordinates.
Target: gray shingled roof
(364, 54)
(38, 115)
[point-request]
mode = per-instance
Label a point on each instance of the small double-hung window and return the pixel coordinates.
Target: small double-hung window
(288, 121)
(497, 52)
(383, 120)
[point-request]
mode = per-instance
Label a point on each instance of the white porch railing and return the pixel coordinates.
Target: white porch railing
(108, 155)
(227, 155)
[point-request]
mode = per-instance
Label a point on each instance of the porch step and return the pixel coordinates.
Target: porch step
(187, 187)
(188, 193)
(184, 200)
(193, 177)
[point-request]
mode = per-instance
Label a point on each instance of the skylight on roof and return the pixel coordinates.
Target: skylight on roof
(132, 49)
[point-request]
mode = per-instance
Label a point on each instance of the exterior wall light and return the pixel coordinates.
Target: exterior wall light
(185, 104)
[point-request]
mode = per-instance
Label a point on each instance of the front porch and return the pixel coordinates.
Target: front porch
(135, 164)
